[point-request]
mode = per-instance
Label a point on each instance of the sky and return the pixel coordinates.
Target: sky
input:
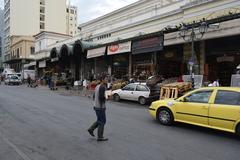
(91, 9)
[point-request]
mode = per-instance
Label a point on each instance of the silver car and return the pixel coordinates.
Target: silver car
(13, 80)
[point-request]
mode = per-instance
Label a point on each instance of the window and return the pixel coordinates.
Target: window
(32, 50)
(72, 11)
(199, 97)
(71, 18)
(141, 88)
(18, 54)
(42, 9)
(228, 98)
(42, 2)
(42, 17)
(130, 87)
(42, 25)
(67, 10)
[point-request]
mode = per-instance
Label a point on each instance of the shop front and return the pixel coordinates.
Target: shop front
(170, 62)
(96, 63)
(144, 57)
(222, 59)
(118, 58)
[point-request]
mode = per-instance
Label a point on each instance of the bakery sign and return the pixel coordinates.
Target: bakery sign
(119, 48)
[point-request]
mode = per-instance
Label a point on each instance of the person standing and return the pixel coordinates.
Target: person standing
(29, 80)
(100, 109)
(85, 87)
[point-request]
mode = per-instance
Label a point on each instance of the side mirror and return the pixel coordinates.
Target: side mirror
(184, 99)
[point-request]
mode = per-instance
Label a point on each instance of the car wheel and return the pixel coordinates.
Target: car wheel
(142, 100)
(165, 117)
(238, 130)
(116, 97)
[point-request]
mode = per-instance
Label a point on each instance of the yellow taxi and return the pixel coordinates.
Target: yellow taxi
(212, 107)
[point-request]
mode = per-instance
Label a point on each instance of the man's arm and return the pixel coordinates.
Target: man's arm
(102, 97)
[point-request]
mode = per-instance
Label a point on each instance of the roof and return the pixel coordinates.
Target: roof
(45, 32)
(11, 61)
(223, 88)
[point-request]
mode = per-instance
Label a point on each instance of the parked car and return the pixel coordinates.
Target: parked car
(13, 80)
(212, 107)
(134, 92)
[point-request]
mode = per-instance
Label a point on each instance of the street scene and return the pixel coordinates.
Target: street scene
(42, 125)
(120, 79)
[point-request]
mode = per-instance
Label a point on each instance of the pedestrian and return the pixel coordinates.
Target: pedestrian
(85, 87)
(29, 80)
(100, 109)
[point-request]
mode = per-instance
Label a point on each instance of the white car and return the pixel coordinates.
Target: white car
(13, 80)
(134, 92)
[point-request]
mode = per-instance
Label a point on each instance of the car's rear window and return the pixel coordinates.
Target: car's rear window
(227, 97)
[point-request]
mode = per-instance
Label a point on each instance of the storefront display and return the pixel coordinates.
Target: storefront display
(144, 56)
(223, 57)
(119, 62)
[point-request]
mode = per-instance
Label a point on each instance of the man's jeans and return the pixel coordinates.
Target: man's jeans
(101, 115)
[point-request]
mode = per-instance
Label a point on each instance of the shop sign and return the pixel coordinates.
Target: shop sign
(169, 55)
(119, 48)
(42, 64)
(225, 59)
(148, 45)
(54, 59)
(96, 52)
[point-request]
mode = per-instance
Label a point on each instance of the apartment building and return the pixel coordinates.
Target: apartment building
(1, 38)
(21, 52)
(72, 20)
(30, 17)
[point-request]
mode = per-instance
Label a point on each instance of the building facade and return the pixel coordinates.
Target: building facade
(22, 51)
(72, 20)
(42, 50)
(129, 42)
(149, 16)
(32, 17)
(1, 38)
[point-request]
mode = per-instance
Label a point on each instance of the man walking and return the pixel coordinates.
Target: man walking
(100, 108)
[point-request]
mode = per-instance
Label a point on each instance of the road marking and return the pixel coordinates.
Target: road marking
(16, 149)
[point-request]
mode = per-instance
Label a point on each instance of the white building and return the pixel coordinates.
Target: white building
(149, 17)
(31, 17)
(72, 20)
(1, 37)
(45, 39)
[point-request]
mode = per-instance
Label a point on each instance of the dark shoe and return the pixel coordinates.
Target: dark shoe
(91, 132)
(102, 139)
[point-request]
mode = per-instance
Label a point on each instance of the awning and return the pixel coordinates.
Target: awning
(30, 64)
(54, 53)
(148, 45)
(19, 60)
(83, 44)
(96, 52)
(66, 50)
(119, 48)
(42, 64)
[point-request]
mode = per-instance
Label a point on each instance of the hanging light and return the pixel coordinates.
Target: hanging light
(183, 31)
(203, 27)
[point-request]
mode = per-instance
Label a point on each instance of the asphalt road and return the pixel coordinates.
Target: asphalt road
(38, 124)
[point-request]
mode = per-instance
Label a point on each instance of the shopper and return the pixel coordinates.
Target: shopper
(100, 109)
(29, 80)
(85, 87)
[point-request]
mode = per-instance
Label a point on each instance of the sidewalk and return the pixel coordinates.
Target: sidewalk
(71, 92)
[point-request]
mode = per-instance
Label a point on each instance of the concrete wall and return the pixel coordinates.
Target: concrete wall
(24, 17)
(152, 16)
(24, 44)
(55, 16)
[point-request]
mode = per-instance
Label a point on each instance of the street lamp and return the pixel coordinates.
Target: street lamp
(191, 34)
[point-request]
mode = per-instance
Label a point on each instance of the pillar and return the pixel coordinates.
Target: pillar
(130, 66)
(202, 57)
